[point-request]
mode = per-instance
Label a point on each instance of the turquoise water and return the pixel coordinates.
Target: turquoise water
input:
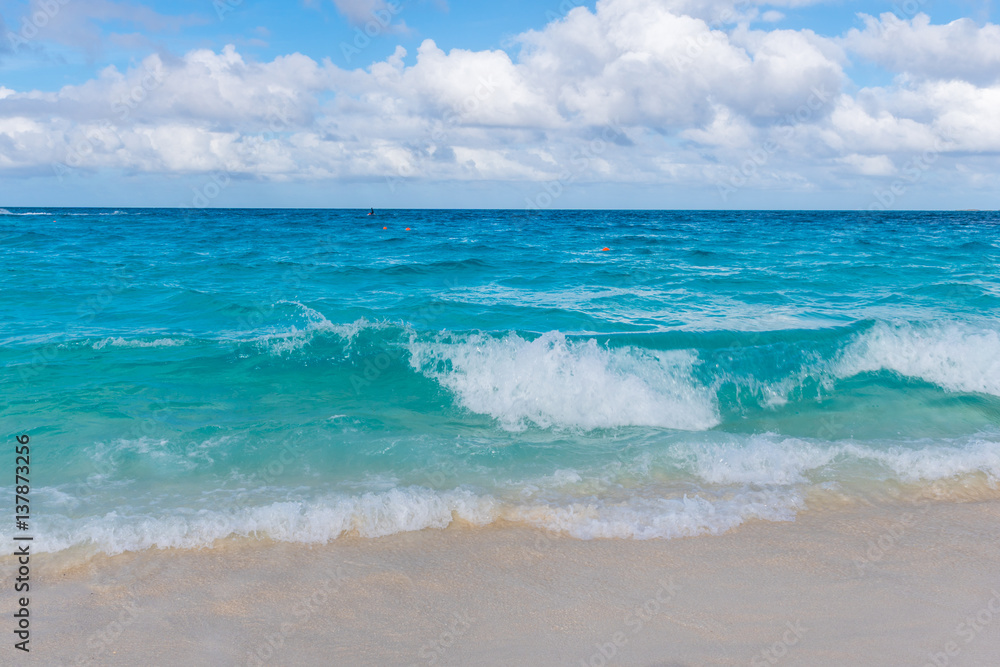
(189, 375)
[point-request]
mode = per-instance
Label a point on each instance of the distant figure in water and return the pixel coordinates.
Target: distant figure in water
(372, 212)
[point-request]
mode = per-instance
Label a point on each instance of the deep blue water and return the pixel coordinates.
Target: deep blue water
(186, 375)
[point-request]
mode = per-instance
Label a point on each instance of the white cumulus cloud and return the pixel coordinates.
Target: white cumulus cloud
(635, 91)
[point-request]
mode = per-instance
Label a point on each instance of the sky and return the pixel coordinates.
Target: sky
(625, 104)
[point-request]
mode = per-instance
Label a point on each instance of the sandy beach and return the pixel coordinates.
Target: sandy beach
(867, 585)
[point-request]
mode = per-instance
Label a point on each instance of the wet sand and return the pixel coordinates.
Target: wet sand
(863, 585)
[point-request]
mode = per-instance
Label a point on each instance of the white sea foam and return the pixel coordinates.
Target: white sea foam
(939, 462)
(185, 455)
(763, 477)
(137, 342)
(56, 497)
(107, 456)
(369, 515)
(551, 381)
(955, 357)
(414, 508)
(296, 337)
(649, 518)
(102, 213)
(768, 459)
(759, 459)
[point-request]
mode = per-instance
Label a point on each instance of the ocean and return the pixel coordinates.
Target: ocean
(300, 375)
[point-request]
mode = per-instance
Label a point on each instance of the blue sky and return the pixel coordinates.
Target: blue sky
(617, 103)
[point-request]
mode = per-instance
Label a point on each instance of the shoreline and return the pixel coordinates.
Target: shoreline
(867, 584)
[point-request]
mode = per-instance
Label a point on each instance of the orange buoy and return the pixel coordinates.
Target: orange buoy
(385, 228)
(407, 229)
(605, 249)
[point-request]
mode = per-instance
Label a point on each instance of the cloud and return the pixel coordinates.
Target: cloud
(958, 50)
(638, 62)
(631, 92)
(79, 23)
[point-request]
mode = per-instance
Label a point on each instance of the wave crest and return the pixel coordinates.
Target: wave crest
(551, 381)
(119, 341)
(955, 357)
(398, 510)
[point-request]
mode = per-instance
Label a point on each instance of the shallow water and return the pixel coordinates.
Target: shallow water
(187, 375)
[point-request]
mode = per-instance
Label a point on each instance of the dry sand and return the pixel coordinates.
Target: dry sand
(866, 585)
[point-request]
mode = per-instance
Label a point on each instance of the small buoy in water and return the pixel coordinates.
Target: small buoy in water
(407, 229)
(385, 228)
(605, 249)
